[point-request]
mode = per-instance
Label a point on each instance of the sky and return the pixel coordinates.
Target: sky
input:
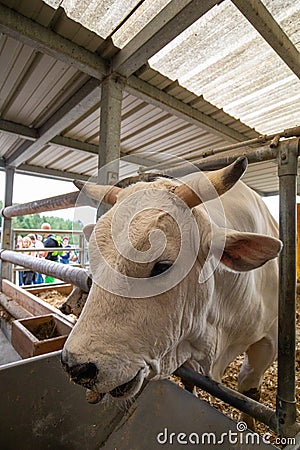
(29, 188)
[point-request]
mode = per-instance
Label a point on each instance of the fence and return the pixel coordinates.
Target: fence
(283, 420)
(80, 250)
(65, 273)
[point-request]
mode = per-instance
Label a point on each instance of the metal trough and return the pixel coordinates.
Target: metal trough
(41, 409)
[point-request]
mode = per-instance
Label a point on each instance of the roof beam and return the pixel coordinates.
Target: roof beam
(51, 173)
(47, 41)
(94, 149)
(258, 15)
(38, 171)
(84, 99)
(32, 134)
(21, 131)
(162, 29)
(172, 105)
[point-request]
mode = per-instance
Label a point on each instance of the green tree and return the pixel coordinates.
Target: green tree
(34, 221)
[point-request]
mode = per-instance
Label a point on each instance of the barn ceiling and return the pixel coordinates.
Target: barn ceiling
(197, 75)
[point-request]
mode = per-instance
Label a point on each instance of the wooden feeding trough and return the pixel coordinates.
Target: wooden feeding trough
(39, 335)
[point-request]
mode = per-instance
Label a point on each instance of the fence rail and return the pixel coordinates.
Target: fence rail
(64, 272)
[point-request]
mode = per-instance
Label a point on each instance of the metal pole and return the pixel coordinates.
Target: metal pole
(259, 154)
(285, 401)
(64, 272)
(6, 269)
(110, 133)
(263, 139)
(63, 201)
(236, 399)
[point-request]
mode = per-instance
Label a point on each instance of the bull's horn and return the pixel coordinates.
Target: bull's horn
(106, 194)
(197, 188)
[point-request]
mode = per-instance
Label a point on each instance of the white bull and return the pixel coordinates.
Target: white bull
(145, 316)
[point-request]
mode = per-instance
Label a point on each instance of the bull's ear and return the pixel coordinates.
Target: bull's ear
(247, 251)
(87, 231)
(106, 194)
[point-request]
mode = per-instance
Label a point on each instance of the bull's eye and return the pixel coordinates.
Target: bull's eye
(159, 268)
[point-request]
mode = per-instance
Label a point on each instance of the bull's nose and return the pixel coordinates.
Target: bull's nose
(84, 374)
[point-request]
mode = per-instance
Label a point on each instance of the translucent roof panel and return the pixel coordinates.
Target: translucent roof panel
(121, 19)
(100, 16)
(222, 57)
(140, 17)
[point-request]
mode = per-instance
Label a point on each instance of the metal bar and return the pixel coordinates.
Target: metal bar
(63, 201)
(235, 399)
(40, 231)
(285, 401)
(175, 17)
(289, 132)
(262, 20)
(55, 174)
(7, 233)
(53, 249)
(64, 272)
(259, 154)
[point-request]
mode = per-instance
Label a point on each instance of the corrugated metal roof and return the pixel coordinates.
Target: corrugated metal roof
(219, 67)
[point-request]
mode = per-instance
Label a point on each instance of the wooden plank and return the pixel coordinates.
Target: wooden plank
(13, 308)
(62, 289)
(30, 302)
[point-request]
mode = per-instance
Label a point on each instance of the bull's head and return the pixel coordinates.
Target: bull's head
(152, 256)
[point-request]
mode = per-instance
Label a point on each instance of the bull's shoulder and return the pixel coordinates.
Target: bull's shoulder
(245, 210)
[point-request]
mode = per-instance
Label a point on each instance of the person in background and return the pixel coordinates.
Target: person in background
(19, 244)
(49, 242)
(36, 243)
(39, 244)
(28, 275)
(74, 257)
(65, 257)
(32, 238)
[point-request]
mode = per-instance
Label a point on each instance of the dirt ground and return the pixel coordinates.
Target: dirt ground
(268, 391)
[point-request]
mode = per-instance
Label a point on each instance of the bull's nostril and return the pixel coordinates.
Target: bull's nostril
(84, 374)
